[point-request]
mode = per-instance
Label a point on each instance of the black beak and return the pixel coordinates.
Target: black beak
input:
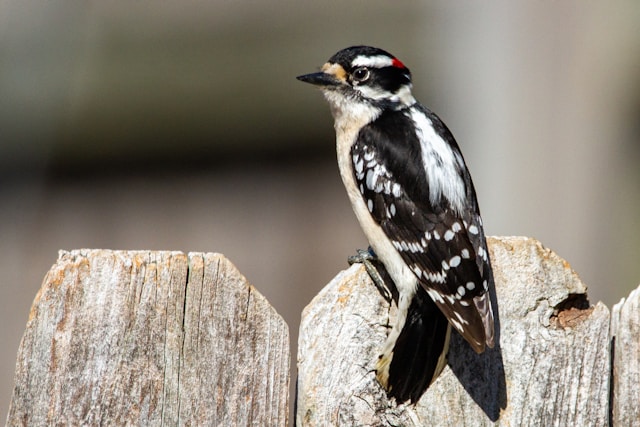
(319, 79)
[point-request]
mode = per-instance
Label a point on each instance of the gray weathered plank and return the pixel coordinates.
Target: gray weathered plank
(150, 338)
(550, 366)
(625, 331)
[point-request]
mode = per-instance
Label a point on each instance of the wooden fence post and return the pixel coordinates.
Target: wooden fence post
(150, 338)
(625, 389)
(155, 338)
(551, 365)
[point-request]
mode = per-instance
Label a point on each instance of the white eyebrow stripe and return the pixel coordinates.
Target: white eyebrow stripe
(378, 61)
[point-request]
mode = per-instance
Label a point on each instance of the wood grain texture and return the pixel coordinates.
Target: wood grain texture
(625, 330)
(550, 365)
(150, 338)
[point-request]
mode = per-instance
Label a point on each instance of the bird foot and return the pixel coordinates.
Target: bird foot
(368, 258)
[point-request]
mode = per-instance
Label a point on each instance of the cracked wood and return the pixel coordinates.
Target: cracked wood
(550, 366)
(150, 338)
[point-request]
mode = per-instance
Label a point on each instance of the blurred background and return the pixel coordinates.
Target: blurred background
(180, 126)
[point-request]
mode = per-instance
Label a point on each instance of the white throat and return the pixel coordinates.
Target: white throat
(350, 113)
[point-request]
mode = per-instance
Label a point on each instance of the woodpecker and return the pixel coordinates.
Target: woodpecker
(413, 196)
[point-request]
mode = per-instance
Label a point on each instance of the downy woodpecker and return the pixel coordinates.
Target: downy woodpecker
(413, 196)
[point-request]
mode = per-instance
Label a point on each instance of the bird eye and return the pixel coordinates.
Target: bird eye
(361, 74)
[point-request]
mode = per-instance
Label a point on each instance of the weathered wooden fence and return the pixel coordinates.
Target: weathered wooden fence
(150, 338)
(164, 338)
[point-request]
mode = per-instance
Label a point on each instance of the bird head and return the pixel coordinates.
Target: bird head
(363, 80)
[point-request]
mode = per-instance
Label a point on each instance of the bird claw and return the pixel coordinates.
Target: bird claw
(367, 258)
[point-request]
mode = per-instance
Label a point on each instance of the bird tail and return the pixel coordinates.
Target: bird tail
(414, 357)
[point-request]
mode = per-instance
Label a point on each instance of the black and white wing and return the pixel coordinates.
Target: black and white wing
(442, 241)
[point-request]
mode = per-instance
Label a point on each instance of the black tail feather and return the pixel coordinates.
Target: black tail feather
(417, 351)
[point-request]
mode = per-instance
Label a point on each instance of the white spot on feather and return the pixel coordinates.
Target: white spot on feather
(448, 235)
(454, 261)
(460, 318)
(396, 190)
(417, 270)
(359, 164)
(435, 295)
(370, 179)
(439, 277)
(456, 324)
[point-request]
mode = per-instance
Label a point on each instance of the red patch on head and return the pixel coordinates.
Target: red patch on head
(397, 63)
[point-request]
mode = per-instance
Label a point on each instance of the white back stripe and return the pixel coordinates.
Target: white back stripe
(444, 180)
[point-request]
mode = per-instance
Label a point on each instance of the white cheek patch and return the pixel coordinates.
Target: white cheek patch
(402, 96)
(370, 92)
